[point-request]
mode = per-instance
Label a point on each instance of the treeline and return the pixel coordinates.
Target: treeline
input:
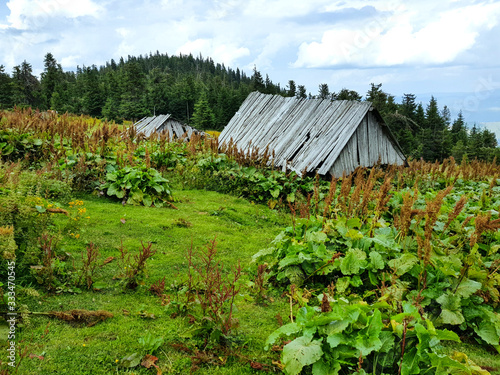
(206, 95)
(191, 89)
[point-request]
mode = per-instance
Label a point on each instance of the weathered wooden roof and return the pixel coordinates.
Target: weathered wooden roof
(305, 134)
(149, 125)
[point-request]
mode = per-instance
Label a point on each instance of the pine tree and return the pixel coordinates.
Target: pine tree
(203, 116)
(258, 81)
(346, 94)
(458, 130)
(26, 87)
(433, 140)
(5, 89)
(292, 88)
(50, 78)
(324, 91)
(301, 92)
(381, 100)
(409, 107)
(111, 109)
(93, 96)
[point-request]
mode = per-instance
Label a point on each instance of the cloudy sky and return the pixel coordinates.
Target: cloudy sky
(448, 48)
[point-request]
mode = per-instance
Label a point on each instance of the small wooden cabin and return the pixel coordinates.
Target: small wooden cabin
(160, 123)
(315, 135)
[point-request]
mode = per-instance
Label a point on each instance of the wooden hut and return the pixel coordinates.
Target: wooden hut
(323, 136)
(160, 123)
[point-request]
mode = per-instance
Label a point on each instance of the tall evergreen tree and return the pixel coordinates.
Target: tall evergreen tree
(50, 78)
(26, 87)
(257, 81)
(93, 93)
(381, 100)
(203, 116)
(409, 106)
(346, 94)
(324, 91)
(434, 126)
(301, 92)
(5, 89)
(111, 109)
(292, 88)
(458, 130)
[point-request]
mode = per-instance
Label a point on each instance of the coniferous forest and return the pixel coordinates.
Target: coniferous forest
(206, 94)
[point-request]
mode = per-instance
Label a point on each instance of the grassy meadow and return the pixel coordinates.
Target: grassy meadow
(151, 256)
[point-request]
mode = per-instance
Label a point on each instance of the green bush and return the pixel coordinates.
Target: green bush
(138, 185)
(358, 338)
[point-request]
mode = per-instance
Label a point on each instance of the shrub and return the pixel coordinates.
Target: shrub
(138, 185)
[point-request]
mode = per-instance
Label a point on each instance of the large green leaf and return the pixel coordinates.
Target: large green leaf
(467, 288)
(286, 330)
(147, 200)
(387, 339)
(376, 260)
(409, 366)
(453, 317)
(299, 353)
(318, 237)
(325, 368)
(403, 264)
(445, 365)
(354, 260)
(444, 334)
(336, 339)
(342, 284)
(449, 301)
(368, 339)
(488, 332)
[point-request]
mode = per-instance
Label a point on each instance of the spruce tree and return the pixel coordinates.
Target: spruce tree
(346, 94)
(203, 116)
(50, 78)
(301, 92)
(258, 81)
(324, 91)
(292, 88)
(5, 89)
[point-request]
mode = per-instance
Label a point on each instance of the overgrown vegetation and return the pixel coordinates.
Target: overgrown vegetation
(373, 272)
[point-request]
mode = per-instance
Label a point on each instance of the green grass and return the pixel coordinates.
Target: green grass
(240, 228)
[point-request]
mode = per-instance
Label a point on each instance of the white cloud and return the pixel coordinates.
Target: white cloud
(401, 37)
(219, 52)
(281, 8)
(70, 61)
(25, 14)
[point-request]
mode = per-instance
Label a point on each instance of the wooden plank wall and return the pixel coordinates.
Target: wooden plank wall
(368, 145)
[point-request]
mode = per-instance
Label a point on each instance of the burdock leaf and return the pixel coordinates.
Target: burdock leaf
(403, 264)
(286, 330)
(488, 333)
(354, 260)
(368, 338)
(301, 352)
(467, 288)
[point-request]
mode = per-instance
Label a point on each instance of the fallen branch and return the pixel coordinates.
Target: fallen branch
(78, 316)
